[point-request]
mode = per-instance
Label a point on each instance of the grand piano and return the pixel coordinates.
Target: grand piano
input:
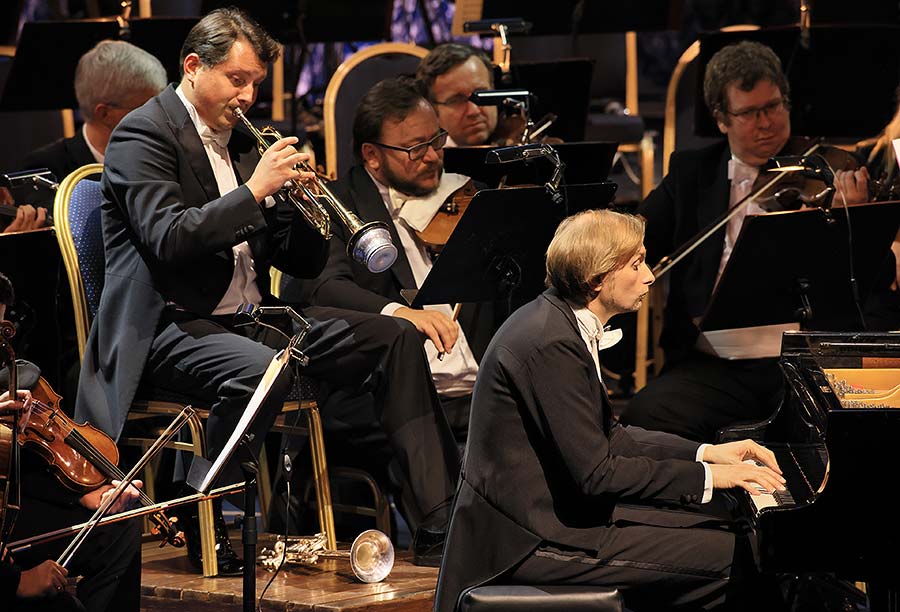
(837, 439)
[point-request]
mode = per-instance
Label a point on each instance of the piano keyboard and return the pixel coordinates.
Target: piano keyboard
(776, 499)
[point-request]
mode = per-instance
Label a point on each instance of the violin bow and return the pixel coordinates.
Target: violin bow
(177, 423)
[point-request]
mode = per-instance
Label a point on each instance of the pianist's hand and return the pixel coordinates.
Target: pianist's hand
(740, 451)
(733, 465)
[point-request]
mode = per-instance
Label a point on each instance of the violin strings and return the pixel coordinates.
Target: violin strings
(87, 450)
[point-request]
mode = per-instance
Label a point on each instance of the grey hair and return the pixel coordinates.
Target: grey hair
(112, 71)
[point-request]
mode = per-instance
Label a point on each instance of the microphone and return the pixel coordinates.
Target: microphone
(811, 166)
(505, 155)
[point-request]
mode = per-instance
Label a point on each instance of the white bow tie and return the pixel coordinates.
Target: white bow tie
(211, 136)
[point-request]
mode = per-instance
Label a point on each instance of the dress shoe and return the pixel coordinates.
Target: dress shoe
(229, 564)
(428, 546)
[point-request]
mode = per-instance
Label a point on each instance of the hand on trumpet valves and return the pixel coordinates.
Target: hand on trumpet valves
(277, 166)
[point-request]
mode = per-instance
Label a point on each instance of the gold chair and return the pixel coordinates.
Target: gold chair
(350, 82)
(380, 510)
(76, 212)
(678, 127)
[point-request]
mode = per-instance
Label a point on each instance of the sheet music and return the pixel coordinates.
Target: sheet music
(466, 10)
(745, 342)
(276, 366)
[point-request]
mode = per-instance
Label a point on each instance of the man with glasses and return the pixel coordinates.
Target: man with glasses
(698, 393)
(193, 218)
(451, 73)
(399, 179)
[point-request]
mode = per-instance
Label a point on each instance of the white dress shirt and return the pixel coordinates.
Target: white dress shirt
(98, 156)
(596, 338)
(243, 288)
(454, 375)
(742, 177)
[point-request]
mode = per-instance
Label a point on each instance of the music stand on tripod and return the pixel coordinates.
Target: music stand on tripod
(203, 472)
(496, 252)
(794, 269)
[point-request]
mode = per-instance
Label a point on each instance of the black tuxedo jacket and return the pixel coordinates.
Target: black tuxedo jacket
(346, 284)
(168, 238)
(546, 463)
(692, 195)
(62, 156)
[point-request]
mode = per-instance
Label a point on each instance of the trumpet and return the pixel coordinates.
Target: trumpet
(369, 243)
(371, 555)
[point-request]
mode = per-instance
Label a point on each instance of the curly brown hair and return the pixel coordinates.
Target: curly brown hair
(745, 63)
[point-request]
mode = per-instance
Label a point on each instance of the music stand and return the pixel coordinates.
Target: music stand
(497, 250)
(814, 114)
(204, 472)
(42, 76)
(561, 87)
(309, 21)
(32, 262)
(793, 267)
(579, 17)
(586, 162)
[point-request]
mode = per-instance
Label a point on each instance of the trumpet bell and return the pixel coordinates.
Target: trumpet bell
(372, 556)
(372, 247)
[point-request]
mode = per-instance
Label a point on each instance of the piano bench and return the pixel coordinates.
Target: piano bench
(547, 598)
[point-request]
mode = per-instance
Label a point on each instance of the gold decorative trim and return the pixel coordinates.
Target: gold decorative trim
(67, 248)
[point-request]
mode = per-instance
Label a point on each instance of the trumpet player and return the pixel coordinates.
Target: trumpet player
(192, 221)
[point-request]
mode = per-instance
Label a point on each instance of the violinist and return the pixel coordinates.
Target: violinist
(111, 80)
(451, 72)
(110, 560)
(399, 179)
(696, 393)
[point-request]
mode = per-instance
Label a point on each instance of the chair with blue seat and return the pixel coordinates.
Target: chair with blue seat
(538, 598)
(77, 219)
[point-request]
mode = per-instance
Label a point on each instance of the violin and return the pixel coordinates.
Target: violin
(438, 230)
(82, 457)
(794, 190)
(9, 451)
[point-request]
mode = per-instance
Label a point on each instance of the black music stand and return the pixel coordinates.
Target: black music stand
(497, 250)
(837, 114)
(579, 17)
(308, 21)
(794, 267)
(561, 87)
(42, 76)
(203, 472)
(586, 162)
(32, 262)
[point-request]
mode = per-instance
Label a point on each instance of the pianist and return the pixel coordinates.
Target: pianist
(571, 496)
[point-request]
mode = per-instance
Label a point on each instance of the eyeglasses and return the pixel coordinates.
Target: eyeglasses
(454, 102)
(753, 114)
(418, 151)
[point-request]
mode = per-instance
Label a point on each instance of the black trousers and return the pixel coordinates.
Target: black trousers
(109, 561)
(701, 394)
(704, 567)
(212, 360)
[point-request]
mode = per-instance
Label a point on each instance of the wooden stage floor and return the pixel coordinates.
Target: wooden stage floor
(169, 583)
